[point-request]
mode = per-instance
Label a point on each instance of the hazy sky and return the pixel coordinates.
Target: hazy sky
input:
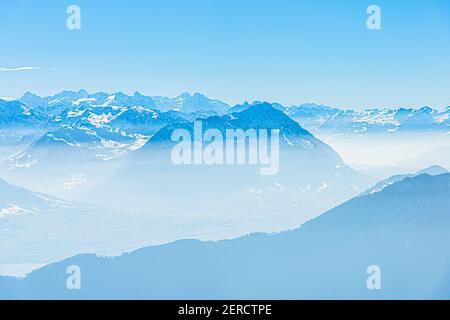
(289, 51)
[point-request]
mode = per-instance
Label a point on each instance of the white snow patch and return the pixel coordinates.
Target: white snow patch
(256, 191)
(141, 140)
(56, 100)
(73, 114)
(280, 186)
(288, 142)
(12, 210)
(307, 144)
(27, 161)
(51, 135)
(442, 118)
(76, 103)
(322, 187)
(75, 181)
(379, 189)
(53, 202)
(383, 117)
(99, 120)
(107, 102)
(111, 144)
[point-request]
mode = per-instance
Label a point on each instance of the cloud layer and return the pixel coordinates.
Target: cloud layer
(19, 69)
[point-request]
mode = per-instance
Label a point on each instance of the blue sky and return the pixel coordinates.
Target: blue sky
(289, 51)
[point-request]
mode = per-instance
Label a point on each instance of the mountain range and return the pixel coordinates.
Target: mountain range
(107, 128)
(91, 135)
(311, 116)
(328, 120)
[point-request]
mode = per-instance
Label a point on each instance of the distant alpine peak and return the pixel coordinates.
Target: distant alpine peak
(261, 104)
(258, 116)
(185, 95)
(433, 170)
(29, 94)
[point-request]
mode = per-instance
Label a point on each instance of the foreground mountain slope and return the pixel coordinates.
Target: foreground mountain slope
(404, 229)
